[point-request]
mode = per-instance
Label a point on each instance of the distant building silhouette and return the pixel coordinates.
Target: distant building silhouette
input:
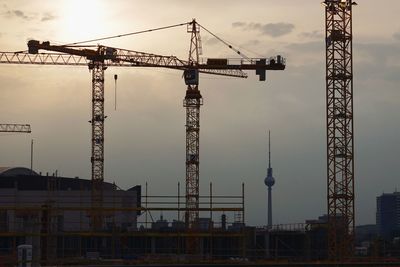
(388, 215)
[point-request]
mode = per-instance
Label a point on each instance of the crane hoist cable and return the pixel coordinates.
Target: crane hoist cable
(224, 42)
(76, 44)
(127, 34)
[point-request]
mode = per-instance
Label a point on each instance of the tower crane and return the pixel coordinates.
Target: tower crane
(340, 129)
(192, 102)
(101, 57)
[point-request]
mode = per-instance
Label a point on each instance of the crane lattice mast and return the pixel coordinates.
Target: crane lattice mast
(192, 102)
(97, 122)
(340, 134)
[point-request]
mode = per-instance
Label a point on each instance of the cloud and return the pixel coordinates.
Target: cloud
(212, 41)
(308, 47)
(378, 52)
(270, 29)
(253, 42)
(304, 53)
(312, 35)
(277, 29)
(253, 26)
(18, 13)
(238, 24)
(378, 61)
(396, 35)
(48, 16)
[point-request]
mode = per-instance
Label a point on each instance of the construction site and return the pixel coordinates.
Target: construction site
(52, 220)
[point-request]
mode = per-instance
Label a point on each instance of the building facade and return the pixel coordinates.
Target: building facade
(388, 215)
(49, 212)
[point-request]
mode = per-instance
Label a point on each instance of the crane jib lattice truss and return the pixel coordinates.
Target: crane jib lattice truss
(15, 128)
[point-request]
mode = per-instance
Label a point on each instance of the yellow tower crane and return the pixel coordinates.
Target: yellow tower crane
(101, 57)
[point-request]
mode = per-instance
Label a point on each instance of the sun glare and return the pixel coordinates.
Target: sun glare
(83, 19)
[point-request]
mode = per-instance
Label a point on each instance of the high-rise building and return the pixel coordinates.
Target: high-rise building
(388, 215)
(269, 182)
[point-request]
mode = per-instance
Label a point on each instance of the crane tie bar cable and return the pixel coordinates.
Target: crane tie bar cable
(224, 42)
(127, 34)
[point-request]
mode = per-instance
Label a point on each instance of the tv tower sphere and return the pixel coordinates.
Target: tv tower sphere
(269, 181)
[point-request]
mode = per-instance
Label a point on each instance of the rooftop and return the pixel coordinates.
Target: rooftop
(24, 179)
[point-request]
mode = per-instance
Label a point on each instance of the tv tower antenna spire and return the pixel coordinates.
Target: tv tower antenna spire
(269, 150)
(269, 182)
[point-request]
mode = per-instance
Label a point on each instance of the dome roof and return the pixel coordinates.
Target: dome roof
(16, 171)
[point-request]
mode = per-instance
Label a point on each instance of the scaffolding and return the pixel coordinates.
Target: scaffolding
(60, 232)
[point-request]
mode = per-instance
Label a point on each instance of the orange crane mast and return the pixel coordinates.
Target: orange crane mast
(101, 57)
(340, 128)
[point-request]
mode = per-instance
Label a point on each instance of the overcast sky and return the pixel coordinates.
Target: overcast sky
(145, 136)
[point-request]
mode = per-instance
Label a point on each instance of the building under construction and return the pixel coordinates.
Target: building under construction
(70, 219)
(54, 215)
(35, 209)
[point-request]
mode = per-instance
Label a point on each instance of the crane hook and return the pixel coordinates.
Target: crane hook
(115, 91)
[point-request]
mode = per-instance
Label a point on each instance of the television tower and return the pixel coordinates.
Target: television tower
(269, 182)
